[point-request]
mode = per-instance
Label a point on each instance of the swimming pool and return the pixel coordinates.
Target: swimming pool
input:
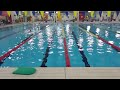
(59, 45)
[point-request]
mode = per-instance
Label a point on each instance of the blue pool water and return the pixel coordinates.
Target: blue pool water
(47, 47)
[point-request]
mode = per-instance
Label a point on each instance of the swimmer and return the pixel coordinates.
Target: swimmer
(30, 32)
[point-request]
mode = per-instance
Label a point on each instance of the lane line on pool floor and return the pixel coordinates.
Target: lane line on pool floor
(108, 30)
(66, 50)
(3, 37)
(98, 37)
(81, 51)
(4, 56)
(44, 60)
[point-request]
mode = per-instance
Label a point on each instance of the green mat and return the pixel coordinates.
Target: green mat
(24, 71)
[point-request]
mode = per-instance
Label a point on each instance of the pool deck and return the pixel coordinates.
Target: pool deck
(65, 73)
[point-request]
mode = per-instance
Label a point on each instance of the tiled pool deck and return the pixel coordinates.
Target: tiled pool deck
(65, 73)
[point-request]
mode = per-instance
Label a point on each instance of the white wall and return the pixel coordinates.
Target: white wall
(97, 15)
(104, 15)
(71, 16)
(114, 15)
(50, 18)
(13, 16)
(118, 17)
(64, 17)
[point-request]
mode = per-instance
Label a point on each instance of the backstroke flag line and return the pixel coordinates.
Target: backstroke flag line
(17, 12)
(9, 13)
(108, 13)
(75, 14)
(42, 14)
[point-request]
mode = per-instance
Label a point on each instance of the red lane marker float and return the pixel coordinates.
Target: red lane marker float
(15, 48)
(66, 54)
(112, 45)
(66, 50)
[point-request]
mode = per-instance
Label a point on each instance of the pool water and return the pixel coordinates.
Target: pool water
(47, 47)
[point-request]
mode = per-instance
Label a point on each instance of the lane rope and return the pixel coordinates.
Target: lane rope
(81, 51)
(44, 60)
(7, 54)
(100, 38)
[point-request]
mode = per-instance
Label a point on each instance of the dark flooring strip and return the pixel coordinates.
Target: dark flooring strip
(81, 52)
(44, 60)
